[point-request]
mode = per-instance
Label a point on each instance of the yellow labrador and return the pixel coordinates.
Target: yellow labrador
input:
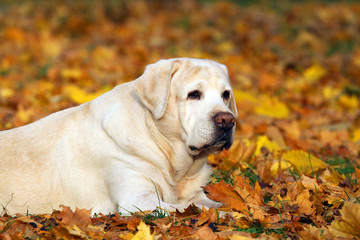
(141, 145)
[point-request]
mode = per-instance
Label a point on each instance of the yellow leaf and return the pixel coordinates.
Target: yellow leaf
(241, 96)
(127, 236)
(314, 73)
(143, 232)
(333, 176)
(356, 135)
(76, 231)
(73, 73)
(303, 161)
(238, 237)
(272, 107)
(349, 226)
(304, 203)
(24, 115)
(351, 102)
(78, 95)
(226, 47)
(51, 47)
(279, 166)
(6, 92)
(264, 142)
(330, 92)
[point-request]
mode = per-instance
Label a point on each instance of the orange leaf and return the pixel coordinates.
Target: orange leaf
(205, 233)
(304, 203)
(357, 173)
(80, 218)
(225, 193)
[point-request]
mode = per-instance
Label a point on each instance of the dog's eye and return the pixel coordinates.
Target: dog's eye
(194, 95)
(226, 95)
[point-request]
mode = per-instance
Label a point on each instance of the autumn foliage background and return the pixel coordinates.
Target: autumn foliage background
(293, 171)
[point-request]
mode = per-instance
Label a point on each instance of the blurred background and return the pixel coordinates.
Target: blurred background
(294, 65)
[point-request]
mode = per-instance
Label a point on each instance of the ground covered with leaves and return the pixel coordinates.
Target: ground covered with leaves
(293, 171)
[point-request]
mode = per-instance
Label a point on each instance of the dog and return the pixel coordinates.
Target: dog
(142, 145)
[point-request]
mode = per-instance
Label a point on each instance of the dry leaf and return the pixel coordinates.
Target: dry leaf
(205, 233)
(143, 232)
(303, 162)
(224, 193)
(349, 225)
(272, 107)
(80, 218)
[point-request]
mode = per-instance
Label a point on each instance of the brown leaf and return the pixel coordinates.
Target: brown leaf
(349, 225)
(133, 223)
(205, 233)
(304, 203)
(224, 193)
(80, 218)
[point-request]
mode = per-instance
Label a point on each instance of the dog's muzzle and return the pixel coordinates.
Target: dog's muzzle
(224, 123)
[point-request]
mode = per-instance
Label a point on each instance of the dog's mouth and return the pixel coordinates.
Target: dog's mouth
(221, 143)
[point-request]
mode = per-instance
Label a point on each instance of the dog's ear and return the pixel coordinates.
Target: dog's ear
(232, 106)
(153, 87)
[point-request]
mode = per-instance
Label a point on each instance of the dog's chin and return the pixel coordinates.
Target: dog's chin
(213, 148)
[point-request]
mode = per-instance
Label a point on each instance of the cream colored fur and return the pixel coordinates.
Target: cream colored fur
(122, 150)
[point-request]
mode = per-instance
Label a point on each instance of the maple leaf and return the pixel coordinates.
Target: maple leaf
(80, 218)
(205, 233)
(264, 142)
(304, 203)
(349, 225)
(241, 96)
(333, 176)
(302, 161)
(143, 232)
(225, 193)
(314, 233)
(272, 107)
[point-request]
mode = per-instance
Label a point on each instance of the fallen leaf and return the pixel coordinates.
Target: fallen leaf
(205, 233)
(236, 237)
(272, 107)
(357, 173)
(349, 225)
(264, 142)
(351, 102)
(80, 218)
(314, 73)
(356, 135)
(303, 162)
(143, 232)
(225, 193)
(304, 203)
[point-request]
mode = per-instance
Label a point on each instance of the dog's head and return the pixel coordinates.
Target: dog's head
(192, 100)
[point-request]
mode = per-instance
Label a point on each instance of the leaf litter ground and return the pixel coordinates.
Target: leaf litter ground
(293, 171)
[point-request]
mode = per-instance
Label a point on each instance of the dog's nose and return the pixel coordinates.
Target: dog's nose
(224, 120)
